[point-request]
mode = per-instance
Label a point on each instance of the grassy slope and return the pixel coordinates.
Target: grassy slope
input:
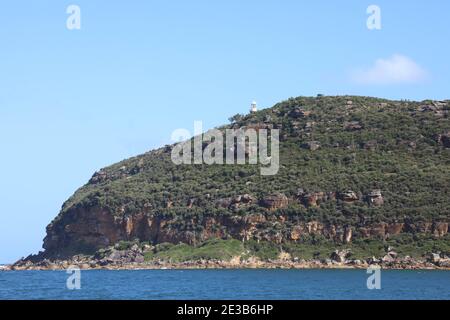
(218, 249)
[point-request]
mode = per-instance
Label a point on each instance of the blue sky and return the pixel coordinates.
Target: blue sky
(74, 101)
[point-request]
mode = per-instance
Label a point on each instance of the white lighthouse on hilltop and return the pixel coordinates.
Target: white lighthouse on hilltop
(253, 107)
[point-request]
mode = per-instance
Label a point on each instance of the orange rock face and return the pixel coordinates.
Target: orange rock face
(83, 230)
(395, 229)
(440, 229)
(275, 201)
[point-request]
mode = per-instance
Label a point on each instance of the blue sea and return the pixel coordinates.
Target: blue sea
(225, 284)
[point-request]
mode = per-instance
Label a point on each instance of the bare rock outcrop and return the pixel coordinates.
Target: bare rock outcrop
(313, 199)
(440, 229)
(375, 198)
(340, 255)
(353, 126)
(349, 196)
(311, 145)
(275, 201)
(236, 202)
(299, 113)
(444, 139)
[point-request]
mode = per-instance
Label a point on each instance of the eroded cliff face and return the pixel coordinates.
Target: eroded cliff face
(82, 230)
(85, 230)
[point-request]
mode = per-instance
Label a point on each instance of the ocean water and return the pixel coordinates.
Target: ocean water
(225, 284)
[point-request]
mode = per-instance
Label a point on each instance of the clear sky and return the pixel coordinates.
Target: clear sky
(74, 101)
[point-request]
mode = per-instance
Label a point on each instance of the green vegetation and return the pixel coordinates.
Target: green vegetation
(215, 249)
(414, 180)
(225, 250)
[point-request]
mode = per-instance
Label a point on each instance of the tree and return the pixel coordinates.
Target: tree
(236, 118)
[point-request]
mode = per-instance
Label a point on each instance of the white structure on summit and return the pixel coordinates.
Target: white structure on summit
(253, 107)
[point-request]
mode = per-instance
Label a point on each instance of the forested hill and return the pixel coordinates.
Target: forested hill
(351, 168)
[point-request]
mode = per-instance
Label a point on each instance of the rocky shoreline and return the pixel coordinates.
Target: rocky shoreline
(337, 261)
(223, 265)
